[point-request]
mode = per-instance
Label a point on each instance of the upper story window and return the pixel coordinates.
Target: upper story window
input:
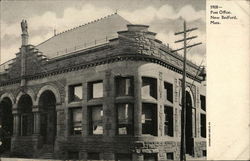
(125, 119)
(149, 88)
(203, 102)
(95, 89)
(168, 124)
(168, 90)
(124, 86)
(75, 93)
(149, 119)
(76, 121)
(95, 114)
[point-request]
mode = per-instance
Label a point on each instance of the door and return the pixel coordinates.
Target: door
(51, 127)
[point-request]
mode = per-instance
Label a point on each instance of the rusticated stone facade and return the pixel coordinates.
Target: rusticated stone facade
(136, 55)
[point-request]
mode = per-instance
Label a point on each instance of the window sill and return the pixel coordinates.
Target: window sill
(95, 100)
(151, 100)
(74, 104)
(124, 99)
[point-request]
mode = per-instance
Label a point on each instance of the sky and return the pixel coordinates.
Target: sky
(165, 17)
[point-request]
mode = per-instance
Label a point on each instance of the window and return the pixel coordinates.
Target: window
(123, 157)
(95, 120)
(149, 119)
(76, 121)
(170, 156)
(150, 157)
(168, 90)
(73, 155)
(93, 156)
(168, 124)
(125, 119)
(149, 88)
(124, 86)
(203, 125)
(95, 89)
(203, 102)
(204, 153)
(75, 93)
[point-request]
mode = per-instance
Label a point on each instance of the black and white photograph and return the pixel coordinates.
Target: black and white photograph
(103, 80)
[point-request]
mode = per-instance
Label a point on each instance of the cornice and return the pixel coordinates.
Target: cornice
(121, 57)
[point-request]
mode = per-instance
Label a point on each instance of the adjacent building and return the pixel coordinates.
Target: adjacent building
(106, 90)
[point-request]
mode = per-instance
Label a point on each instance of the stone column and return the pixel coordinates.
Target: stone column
(138, 105)
(16, 121)
(160, 105)
(60, 120)
(37, 120)
(16, 126)
(108, 106)
(85, 109)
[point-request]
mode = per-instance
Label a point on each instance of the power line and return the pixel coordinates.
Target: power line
(185, 33)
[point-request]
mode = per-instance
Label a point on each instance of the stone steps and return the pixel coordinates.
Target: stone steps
(46, 156)
(46, 152)
(5, 154)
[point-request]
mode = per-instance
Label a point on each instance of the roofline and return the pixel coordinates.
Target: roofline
(79, 27)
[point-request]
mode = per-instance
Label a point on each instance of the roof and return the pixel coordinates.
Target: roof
(90, 34)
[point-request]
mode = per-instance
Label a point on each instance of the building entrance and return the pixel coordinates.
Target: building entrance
(47, 103)
(6, 124)
(189, 125)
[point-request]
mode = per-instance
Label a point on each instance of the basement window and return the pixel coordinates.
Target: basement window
(168, 124)
(124, 86)
(125, 119)
(204, 153)
(75, 93)
(95, 120)
(168, 90)
(93, 156)
(203, 125)
(203, 102)
(149, 88)
(123, 157)
(149, 119)
(150, 157)
(74, 155)
(76, 121)
(95, 89)
(170, 156)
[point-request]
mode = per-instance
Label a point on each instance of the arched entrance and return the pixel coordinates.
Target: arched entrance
(47, 104)
(6, 124)
(189, 125)
(24, 105)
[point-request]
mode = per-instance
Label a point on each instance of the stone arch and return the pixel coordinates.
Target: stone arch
(51, 88)
(29, 92)
(8, 95)
(188, 89)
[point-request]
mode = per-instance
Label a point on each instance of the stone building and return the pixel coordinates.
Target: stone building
(104, 90)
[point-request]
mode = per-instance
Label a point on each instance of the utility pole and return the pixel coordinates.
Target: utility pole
(183, 111)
